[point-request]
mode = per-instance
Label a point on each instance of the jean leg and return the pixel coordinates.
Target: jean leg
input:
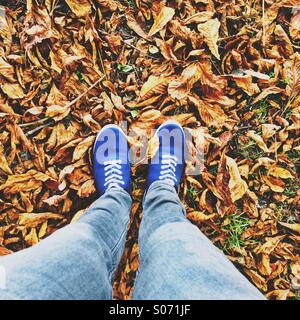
(76, 262)
(177, 260)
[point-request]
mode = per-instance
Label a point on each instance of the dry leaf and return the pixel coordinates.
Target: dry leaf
(165, 15)
(13, 91)
(210, 32)
(80, 7)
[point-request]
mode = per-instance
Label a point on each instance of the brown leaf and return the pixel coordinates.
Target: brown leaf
(212, 115)
(134, 25)
(165, 15)
(199, 17)
(154, 85)
(238, 187)
(37, 27)
(210, 32)
(4, 251)
(276, 184)
(270, 244)
(258, 139)
(264, 266)
(32, 220)
(258, 280)
(7, 70)
(80, 7)
(292, 226)
(295, 25)
(87, 189)
(292, 74)
(180, 87)
(82, 148)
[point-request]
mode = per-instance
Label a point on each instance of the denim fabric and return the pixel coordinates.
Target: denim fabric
(178, 261)
(78, 261)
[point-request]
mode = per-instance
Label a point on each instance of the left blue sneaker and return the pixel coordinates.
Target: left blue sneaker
(111, 160)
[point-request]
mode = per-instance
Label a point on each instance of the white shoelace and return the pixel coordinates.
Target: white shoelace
(168, 169)
(113, 174)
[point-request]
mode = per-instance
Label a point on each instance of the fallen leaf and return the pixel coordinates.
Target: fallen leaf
(154, 85)
(238, 187)
(80, 7)
(292, 226)
(165, 15)
(13, 90)
(210, 32)
(32, 220)
(258, 280)
(258, 139)
(279, 172)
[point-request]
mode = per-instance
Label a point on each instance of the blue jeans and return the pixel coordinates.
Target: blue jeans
(78, 261)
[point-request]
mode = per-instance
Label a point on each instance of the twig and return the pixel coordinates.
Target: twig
(132, 46)
(85, 92)
(28, 124)
(41, 121)
(33, 131)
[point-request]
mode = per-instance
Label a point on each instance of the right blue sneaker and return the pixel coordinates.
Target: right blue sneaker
(168, 163)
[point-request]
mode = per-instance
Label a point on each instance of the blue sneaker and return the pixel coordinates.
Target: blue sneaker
(168, 163)
(111, 160)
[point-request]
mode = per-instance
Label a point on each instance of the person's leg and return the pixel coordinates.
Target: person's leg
(177, 260)
(76, 262)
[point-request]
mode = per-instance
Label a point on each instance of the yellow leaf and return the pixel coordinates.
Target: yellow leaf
(165, 15)
(82, 148)
(32, 220)
(7, 70)
(276, 184)
(258, 139)
(268, 130)
(153, 146)
(291, 226)
(32, 238)
(13, 91)
(210, 32)
(43, 230)
(278, 172)
(154, 85)
(238, 187)
(80, 7)
(54, 111)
